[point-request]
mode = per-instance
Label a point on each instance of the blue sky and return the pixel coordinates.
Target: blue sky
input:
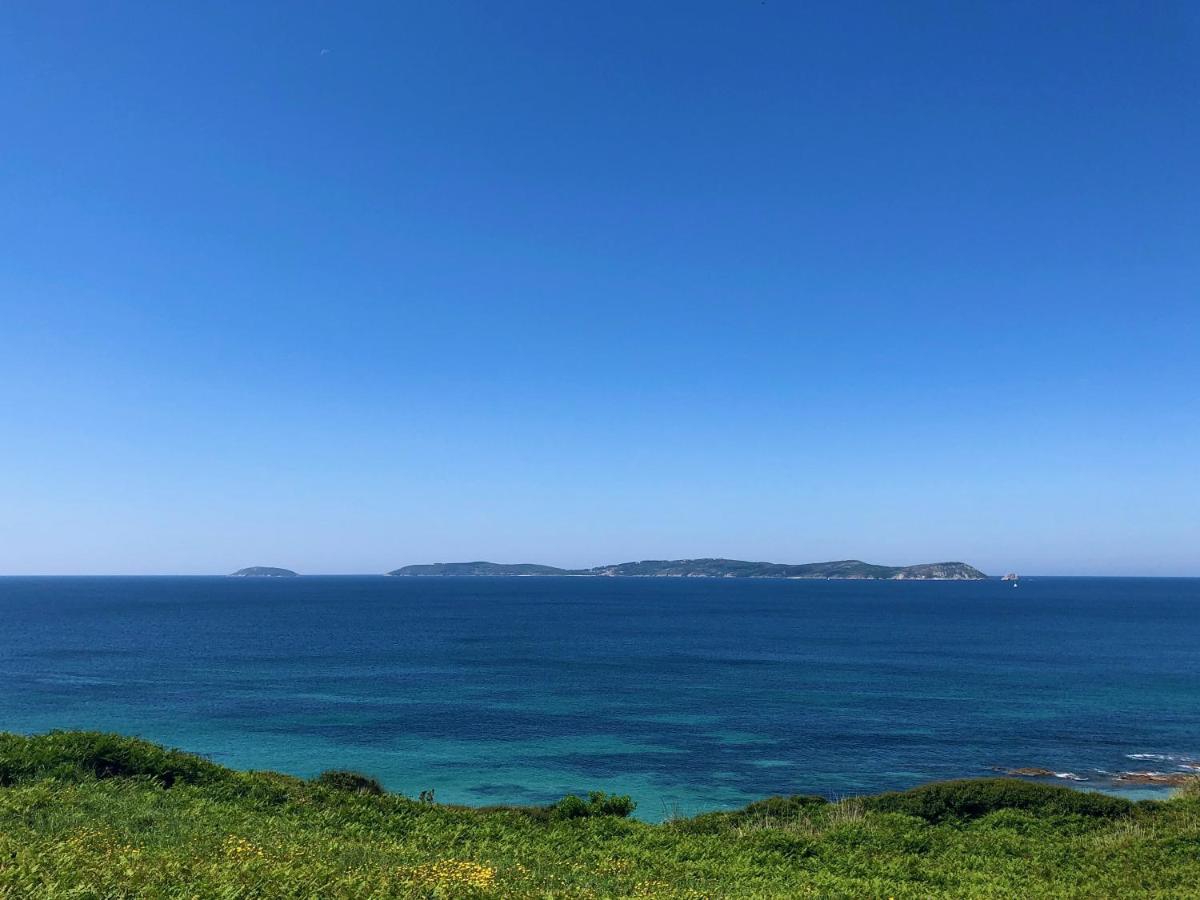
(344, 287)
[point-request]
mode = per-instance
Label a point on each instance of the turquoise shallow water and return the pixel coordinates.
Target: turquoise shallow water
(689, 694)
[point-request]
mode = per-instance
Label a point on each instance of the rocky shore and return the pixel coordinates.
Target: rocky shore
(1187, 772)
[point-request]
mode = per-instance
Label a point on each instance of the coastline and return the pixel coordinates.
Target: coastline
(1158, 785)
(132, 818)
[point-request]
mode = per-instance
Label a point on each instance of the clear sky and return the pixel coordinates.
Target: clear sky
(342, 287)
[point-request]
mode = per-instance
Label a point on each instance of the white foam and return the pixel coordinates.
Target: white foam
(1165, 757)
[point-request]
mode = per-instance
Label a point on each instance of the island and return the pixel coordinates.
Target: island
(708, 568)
(263, 572)
(481, 568)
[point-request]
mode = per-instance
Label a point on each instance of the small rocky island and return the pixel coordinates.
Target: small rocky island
(263, 572)
(710, 568)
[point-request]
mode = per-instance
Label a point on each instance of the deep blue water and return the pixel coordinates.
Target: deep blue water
(688, 694)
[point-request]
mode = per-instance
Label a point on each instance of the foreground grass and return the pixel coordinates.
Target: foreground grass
(98, 816)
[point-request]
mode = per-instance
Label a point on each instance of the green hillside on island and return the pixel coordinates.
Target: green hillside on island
(709, 568)
(263, 572)
(103, 816)
(479, 568)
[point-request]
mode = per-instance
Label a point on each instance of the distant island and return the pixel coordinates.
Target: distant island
(263, 572)
(709, 568)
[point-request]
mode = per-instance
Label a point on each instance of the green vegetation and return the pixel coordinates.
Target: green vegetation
(264, 572)
(950, 801)
(352, 782)
(87, 815)
(712, 568)
(598, 803)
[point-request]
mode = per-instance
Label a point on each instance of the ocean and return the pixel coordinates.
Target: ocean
(688, 694)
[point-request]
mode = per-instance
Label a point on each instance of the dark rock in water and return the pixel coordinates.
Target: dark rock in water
(263, 572)
(1037, 772)
(1156, 779)
(1119, 779)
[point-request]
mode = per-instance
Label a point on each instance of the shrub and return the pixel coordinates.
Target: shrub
(570, 807)
(74, 755)
(350, 782)
(602, 804)
(971, 799)
(598, 803)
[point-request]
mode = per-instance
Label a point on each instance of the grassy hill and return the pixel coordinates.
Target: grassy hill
(102, 816)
